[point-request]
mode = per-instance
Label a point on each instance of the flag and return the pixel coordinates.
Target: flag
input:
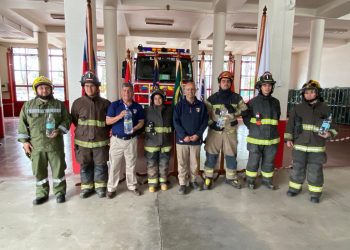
(201, 83)
(178, 83)
(264, 64)
(128, 71)
(155, 74)
(231, 68)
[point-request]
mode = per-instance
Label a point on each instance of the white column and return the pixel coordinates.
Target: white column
(43, 54)
(110, 40)
(315, 49)
(121, 52)
(75, 15)
(218, 48)
(238, 64)
(194, 55)
(280, 19)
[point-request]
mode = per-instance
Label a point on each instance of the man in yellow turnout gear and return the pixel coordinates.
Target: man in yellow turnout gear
(308, 127)
(224, 107)
(91, 137)
(158, 141)
(263, 138)
(42, 123)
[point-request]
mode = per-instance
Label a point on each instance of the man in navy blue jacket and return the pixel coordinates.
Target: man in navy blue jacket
(190, 121)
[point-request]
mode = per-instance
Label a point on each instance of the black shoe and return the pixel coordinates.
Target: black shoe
(196, 186)
(40, 200)
(207, 184)
(60, 198)
(182, 190)
(234, 183)
(291, 193)
(315, 199)
(85, 193)
(269, 185)
(136, 192)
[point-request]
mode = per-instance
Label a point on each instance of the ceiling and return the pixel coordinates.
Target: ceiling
(193, 19)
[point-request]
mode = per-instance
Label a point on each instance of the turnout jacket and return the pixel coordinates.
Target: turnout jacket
(89, 117)
(269, 112)
(161, 117)
(303, 126)
(190, 119)
(32, 124)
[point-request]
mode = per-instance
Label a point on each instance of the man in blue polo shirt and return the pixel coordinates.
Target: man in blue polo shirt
(123, 145)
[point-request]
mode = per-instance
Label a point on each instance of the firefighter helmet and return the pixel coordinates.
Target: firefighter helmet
(157, 92)
(312, 84)
(41, 80)
(265, 78)
(225, 74)
(90, 77)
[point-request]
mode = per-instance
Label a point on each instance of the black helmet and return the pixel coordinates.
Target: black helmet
(312, 84)
(90, 77)
(265, 78)
(157, 92)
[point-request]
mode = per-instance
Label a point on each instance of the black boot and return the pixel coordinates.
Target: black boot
(315, 199)
(196, 186)
(292, 193)
(268, 184)
(234, 183)
(208, 182)
(60, 198)
(85, 193)
(40, 200)
(101, 192)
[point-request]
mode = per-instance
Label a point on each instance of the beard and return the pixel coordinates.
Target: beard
(47, 97)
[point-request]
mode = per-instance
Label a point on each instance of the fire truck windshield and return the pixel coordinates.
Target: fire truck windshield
(167, 68)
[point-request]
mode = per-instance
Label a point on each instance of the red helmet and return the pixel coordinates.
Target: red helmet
(225, 74)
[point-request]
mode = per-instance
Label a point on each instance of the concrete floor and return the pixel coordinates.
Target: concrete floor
(223, 218)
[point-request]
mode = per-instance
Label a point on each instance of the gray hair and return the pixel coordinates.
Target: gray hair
(128, 85)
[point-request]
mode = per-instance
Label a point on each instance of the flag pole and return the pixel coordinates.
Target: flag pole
(231, 69)
(261, 41)
(90, 38)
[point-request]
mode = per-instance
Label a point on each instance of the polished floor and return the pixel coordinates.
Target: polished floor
(222, 218)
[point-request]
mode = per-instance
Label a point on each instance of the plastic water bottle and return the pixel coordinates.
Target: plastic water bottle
(222, 119)
(50, 125)
(128, 128)
(326, 124)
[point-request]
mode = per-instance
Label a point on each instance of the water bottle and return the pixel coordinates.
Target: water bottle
(326, 124)
(222, 119)
(128, 128)
(50, 125)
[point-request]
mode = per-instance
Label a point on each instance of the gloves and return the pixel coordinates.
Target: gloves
(215, 127)
(230, 108)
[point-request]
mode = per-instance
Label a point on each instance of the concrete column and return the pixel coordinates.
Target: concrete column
(280, 19)
(194, 56)
(121, 54)
(43, 54)
(218, 48)
(75, 16)
(315, 49)
(110, 40)
(238, 64)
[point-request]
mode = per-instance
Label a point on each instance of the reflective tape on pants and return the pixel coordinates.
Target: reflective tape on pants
(294, 185)
(251, 173)
(315, 189)
(39, 183)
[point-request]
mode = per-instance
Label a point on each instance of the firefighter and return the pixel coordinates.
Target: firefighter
(91, 137)
(224, 107)
(263, 138)
(158, 141)
(42, 146)
(302, 133)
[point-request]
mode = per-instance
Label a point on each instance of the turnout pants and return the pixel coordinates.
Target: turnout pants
(265, 154)
(215, 142)
(57, 162)
(93, 166)
(157, 167)
(307, 164)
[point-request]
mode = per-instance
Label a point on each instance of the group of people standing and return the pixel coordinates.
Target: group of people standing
(101, 138)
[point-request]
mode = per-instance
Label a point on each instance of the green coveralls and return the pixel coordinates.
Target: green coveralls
(46, 150)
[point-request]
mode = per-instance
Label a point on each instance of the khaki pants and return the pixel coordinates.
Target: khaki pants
(122, 148)
(187, 161)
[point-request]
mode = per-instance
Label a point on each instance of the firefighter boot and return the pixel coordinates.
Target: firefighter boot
(292, 193)
(60, 198)
(101, 192)
(315, 199)
(196, 186)
(234, 183)
(151, 189)
(163, 186)
(208, 182)
(85, 193)
(268, 183)
(251, 184)
(40, 200)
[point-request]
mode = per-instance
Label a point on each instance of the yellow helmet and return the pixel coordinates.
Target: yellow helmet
(41, 80)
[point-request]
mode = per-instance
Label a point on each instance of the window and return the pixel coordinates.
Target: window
(26, 69)
(247, 78)
(101, 72)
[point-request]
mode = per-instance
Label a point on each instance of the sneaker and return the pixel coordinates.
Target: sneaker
(40, 200)
(151, 189)
(85, 193)
(196, 186)
(182, 190)
(314, 199)
(207, 184)
(234, 183)
(164, 187)
(60, 198)
(111, 195)
(292, 193)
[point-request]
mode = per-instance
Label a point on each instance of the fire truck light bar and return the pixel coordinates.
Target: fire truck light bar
(149, 49)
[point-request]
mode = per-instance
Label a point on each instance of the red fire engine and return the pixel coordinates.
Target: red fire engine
(144, 70)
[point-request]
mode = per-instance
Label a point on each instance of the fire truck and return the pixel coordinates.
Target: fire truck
(144, 70)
